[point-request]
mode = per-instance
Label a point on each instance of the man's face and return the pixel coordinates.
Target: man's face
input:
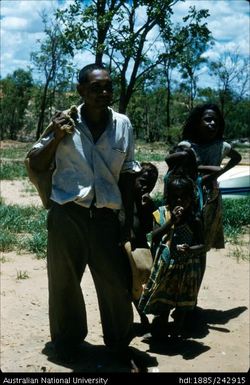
(98, 91)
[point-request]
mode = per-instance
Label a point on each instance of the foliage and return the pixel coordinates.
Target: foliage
(53, 63)
(15, 95)
(115, 32)
(232, 74)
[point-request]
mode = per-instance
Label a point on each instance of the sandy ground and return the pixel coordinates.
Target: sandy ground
(219, 341)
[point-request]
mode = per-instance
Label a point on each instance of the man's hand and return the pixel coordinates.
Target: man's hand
(62, 124)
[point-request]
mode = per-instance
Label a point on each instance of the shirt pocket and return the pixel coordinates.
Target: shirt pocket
(117, 159)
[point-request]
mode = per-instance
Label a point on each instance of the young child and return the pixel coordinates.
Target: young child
(144, 206)
(178, 237)
(203, 132)
(143, 210)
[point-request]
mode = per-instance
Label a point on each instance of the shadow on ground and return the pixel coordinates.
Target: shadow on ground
(98, 359)
(197, 325)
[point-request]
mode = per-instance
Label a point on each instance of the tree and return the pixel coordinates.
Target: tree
(15, 96)
(196, 39)
(232, 74)
(53, 63)
(112, 30)
(183, 47)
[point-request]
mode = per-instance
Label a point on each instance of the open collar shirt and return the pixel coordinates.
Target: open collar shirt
(88, 172)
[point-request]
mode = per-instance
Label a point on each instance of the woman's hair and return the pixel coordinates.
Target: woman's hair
(83, 76)
(181, 182)
(191, 127)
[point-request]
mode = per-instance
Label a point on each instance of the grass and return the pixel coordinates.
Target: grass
(23, 229)
(17, 152)
(236, 216)
(13, 170)
(22, 274)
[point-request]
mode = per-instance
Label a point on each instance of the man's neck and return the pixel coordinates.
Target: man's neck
(95, 115)
(96, 120)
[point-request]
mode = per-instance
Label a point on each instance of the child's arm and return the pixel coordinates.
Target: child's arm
(160, 231)
(147, 207)
(216, 171)
(195, 249)
(176, 158)
(199, 247)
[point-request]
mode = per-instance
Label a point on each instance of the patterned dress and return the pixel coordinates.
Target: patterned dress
(175, 276)
(212, 154)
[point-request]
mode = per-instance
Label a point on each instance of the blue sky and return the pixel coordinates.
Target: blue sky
(21, 26)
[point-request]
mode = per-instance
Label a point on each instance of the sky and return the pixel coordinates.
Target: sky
(21, 27)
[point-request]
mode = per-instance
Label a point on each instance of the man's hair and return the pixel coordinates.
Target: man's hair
(85, 71)
(191, 127)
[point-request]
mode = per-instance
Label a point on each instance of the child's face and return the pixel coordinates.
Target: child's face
(144, 183)
(208, 125)
(179, 197)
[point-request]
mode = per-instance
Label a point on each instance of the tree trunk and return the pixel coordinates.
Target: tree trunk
(42, 112)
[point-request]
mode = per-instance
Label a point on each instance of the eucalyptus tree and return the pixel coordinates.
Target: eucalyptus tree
(196, 39)
(15, 96)
(125, 34)
(54, 66)
(231, 71)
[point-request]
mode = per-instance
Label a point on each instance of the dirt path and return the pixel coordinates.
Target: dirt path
(219, 343)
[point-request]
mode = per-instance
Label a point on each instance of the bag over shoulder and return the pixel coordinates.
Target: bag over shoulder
(42, 180)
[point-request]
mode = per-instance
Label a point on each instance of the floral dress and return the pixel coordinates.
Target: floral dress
(175, 277)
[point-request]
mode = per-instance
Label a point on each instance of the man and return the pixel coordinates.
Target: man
(92, 181)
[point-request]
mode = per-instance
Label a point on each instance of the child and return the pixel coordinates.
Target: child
(143, 210)
(144, 205)
(203, 132)
(178, 237)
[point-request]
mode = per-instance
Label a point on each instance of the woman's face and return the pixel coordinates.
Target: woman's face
(208, 126)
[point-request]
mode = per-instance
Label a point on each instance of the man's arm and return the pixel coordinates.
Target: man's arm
(127, 187)
(40, 158)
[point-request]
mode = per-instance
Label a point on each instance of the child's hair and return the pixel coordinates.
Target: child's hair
(191, 127)
(183, 182)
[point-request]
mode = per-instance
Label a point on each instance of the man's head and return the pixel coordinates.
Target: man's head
(95, 86)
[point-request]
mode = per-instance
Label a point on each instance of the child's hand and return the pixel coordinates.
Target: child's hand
(184, 248)
(145, 199)
(177, 213)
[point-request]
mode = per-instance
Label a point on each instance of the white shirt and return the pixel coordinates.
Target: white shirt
(86, 170)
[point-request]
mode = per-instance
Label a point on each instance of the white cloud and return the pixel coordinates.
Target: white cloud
(21, 26)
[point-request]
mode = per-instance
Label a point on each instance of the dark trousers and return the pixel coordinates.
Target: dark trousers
(78, 236)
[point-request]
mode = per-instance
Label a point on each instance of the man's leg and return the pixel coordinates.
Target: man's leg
(110, 270)
(66, 263)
